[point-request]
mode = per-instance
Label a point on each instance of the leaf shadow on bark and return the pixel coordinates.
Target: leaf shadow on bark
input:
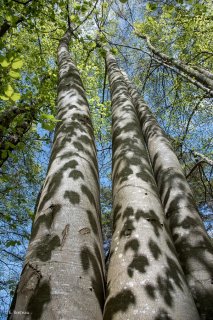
(182, 214)
(33, 292)
(73, 141)
(39, 299)
(119, 303)
(90, 261)
(131, 166)
(167, 280)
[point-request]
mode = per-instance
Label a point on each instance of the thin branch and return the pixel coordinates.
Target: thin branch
(204, 158)
(20, 2)
(193, 168)
(89, 14)
(68, 15)
(189, 120)
(104, 86)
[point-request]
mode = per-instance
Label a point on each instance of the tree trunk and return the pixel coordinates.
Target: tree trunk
(145, 280)
(10, 137)
(199, 76)
(9, 143)
(6, 26)
(63, 275)
(191, 241)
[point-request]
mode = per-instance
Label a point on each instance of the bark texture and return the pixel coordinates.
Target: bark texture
(145, 280)
(63, 275)
(194, 248)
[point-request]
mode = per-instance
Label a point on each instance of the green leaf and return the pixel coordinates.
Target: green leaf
(47, 116)
(9, 91)
(4, 63)
(4, 154)
(17, 64)
(48, 126)
(84, 8)
(114, 51)
(76, 6)
(73, 18)
(9, 18)
(14, 74)
(4, 98)
(16, 96)
(7, 217)
(12, 243)
(151, 6)
(123, 1)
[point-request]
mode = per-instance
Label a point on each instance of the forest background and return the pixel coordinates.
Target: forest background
(30, 32)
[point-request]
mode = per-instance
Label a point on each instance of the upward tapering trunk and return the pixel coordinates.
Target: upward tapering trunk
(145, 280)
(63, 275)
(191, 241)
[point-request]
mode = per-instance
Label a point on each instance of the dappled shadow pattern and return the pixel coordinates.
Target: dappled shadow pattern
(139, 262)
(91, 265)
(163, 315)
(73, 197)
(142, 264)
(68, 210)
(33, 294)
(118, 303)
(40, 298)
(46, 245)
(45, 220)
(193, 246)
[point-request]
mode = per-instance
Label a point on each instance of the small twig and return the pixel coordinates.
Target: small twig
(193, 168)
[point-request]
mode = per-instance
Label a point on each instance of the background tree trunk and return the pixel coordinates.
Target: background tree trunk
(145, 280)
(63, 275)
(199, 76)
(191, 241)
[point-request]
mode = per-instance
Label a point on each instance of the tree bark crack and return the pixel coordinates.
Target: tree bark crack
(65, 234)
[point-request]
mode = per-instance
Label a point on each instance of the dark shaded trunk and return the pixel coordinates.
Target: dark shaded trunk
(6, 26)
(8, 115)
(11, 138)
(63, 274)
(191, 241)
(145, 280)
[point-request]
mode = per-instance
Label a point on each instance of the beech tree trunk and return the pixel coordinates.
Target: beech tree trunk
(63, 274)
(194, 248)
(145, 280)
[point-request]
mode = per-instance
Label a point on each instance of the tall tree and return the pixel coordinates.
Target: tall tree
(145, 280)
(63, 274)
(191, 241)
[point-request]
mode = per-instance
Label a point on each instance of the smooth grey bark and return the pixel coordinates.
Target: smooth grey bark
(145, 280)
(63, 274)
(194, 248)
(197, 75)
